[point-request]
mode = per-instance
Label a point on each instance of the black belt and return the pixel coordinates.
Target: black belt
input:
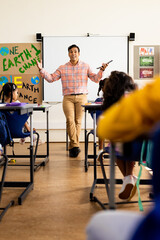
(77, 93)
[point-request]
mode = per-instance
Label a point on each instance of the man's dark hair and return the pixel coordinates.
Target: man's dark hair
(73, 46)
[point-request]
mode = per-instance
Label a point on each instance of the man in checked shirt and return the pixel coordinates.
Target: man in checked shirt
(74, 77)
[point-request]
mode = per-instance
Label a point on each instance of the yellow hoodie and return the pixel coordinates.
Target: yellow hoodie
(132, 115)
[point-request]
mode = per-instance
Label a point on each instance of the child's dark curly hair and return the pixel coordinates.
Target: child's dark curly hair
(101, 85)
(115, 87)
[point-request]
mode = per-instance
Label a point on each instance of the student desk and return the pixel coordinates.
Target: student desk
(28, 108)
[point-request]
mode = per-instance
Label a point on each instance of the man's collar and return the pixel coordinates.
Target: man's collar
(76, 63)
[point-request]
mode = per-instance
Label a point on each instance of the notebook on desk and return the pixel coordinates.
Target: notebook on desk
(15, 104)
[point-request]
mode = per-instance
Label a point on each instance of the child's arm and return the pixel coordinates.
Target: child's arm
(28, 127)
(1, 150)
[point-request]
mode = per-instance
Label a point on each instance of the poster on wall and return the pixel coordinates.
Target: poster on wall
(18, 65)
(146, 73)
(146, 51)
(146, 61)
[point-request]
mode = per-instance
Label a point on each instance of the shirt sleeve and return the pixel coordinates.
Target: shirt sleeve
(131, 116)
(50, 77)
(93, 76)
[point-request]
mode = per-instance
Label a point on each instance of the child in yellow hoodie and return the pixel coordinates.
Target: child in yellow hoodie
(132, 116)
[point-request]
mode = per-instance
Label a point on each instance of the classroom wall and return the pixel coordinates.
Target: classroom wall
(21, 20)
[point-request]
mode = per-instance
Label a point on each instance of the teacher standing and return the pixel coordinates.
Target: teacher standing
(74, 77)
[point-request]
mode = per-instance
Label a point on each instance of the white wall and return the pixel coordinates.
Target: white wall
(21, 20)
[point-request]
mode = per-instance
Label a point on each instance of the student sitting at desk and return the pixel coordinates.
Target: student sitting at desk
(99, 112)
(9, 94)
(74, 77)
(118, 84)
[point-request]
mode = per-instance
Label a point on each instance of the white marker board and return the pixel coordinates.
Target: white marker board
(93, 50)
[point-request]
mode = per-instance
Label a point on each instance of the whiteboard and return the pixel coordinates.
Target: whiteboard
(93, 50)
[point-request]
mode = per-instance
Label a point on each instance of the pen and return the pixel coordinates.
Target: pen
(106, 63)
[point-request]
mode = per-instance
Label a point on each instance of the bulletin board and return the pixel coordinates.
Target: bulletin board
(146, 61)
(18, 65)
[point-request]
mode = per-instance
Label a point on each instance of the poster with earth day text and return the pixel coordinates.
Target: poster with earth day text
(18, 65)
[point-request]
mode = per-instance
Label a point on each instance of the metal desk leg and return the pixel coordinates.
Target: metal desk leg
(47, 132)
(112, 177)
(94, 145)
(29, 186)
(85, 141)
(31, 151)
(95, 165)
(3, 210)
(46, 157)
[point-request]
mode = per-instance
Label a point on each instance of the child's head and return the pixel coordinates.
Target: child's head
(9, 92)
(101, 85)
(116, 86)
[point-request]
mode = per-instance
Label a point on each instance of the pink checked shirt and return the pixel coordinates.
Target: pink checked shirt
(74, 78)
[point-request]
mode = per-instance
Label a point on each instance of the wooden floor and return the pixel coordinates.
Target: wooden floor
(59, 206)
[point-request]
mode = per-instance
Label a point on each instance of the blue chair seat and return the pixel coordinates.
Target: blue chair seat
(16, 123)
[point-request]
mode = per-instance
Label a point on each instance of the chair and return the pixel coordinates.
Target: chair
(131, 151)
(16, 123)
(4, 163)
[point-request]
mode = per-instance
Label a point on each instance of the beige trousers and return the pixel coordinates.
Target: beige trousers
(73, 110)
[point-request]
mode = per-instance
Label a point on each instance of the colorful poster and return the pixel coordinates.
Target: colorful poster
(146, 73)
(146, 61)
(18, 65)
(146, 51)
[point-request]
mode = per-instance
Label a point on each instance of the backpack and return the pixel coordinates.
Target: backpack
(5, 136)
